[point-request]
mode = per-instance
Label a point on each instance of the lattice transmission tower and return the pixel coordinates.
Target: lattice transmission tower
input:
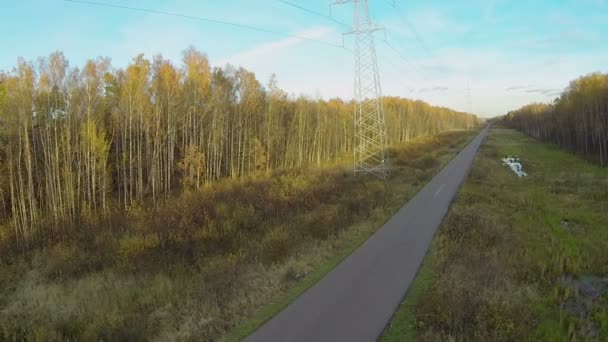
(370, 152)
(469, 108)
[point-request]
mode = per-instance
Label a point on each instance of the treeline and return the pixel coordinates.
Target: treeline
(77, 142)
(577, 120)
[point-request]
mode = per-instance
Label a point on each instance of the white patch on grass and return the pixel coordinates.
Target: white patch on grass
(515, 165)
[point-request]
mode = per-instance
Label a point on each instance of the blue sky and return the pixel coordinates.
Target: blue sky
(509, 52)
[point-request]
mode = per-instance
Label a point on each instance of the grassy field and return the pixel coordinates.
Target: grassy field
(516, 259)
(202, 264)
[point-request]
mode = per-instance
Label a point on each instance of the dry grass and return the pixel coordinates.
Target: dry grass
(195, 267)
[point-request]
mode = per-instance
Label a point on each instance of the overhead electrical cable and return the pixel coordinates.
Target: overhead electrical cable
(209, 20)
(402, 57)
(393, 76)
(328, 17)
(411, 27)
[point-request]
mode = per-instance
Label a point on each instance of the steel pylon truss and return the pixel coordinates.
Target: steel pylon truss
(469, 108)
(370, 152)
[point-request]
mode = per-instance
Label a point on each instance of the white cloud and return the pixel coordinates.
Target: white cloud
(265, 53)
(302, 67)
(152, 37)
(500, 80)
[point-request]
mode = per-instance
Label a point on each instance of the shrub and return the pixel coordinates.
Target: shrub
(133, 250)
(61, 260)
(245, 217)
(426, 162)
(422, 176)
(276, 245)
(287, 188)
(479, 174)
(460, 223)
(220, 274)
(214, 239)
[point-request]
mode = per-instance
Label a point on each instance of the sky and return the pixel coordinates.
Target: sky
(508, 53)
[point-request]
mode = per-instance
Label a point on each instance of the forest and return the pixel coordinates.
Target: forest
(81, 143)
(577, 120)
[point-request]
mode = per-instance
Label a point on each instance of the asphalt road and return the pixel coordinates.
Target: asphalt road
(356, 300)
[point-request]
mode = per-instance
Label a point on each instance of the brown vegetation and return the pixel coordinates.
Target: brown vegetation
(192, 267)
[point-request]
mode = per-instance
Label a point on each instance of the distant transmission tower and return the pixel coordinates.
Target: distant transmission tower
(370, 127)
(469, 108)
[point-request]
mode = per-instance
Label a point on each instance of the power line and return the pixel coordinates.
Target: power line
(209, 20)
(428, 51)
(405, 86)
(411, 27)
(417, 36)
(407, 61)
(328, 17)
(410, 69)
(409, 88)
(415, 67)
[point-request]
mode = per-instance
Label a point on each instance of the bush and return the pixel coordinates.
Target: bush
(135, 250)
(479, 174)
(61, 260)
(423, 176)
(276, 245)
(426, 162)
(287, 188)
(460, 223)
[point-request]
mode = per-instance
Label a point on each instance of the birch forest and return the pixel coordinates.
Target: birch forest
(577, 120)
(91, 140)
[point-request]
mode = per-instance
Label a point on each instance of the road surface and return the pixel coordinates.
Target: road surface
(356, 300)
